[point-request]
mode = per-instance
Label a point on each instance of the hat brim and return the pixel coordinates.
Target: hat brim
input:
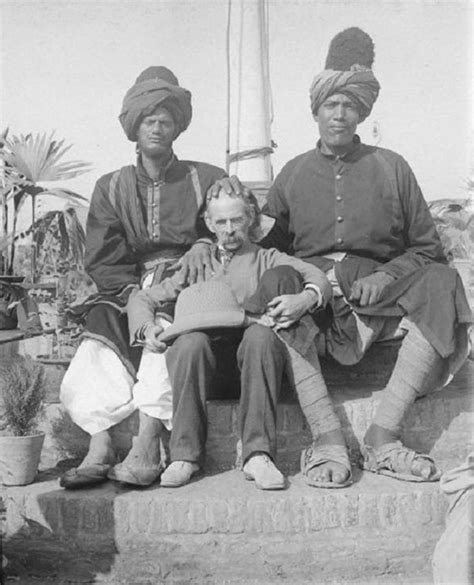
(203, 321)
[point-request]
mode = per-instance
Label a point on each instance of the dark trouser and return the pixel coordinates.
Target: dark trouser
(106, 324)
(192, 366)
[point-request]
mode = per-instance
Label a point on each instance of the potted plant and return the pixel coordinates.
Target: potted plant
(22, 387)
(26, 161)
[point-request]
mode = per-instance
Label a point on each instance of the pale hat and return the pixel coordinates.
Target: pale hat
(205, 305)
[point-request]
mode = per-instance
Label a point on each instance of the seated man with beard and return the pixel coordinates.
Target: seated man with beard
(277, 291)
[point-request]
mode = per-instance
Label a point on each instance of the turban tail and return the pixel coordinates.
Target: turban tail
(145, 96)
(361, 86)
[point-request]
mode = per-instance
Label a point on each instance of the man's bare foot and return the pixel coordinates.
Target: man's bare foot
(142, 466)
(377, 437)
(100, 450)
(330, 471)
(145, 451)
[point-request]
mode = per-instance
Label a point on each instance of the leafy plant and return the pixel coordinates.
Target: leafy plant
(26, 161)
(59, 239)
(23, 392)
(454, 220)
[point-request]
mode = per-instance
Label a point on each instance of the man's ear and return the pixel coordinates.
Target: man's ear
(315, 117)
(209, 223)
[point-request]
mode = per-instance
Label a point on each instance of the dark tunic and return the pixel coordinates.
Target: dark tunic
(169, 213)
(367, 206)
(133, 224)
(367, 203)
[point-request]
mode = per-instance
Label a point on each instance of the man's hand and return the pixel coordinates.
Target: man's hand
(231, 185)
(151, 333)
(198, 264)
(288, 309)
(368, 290)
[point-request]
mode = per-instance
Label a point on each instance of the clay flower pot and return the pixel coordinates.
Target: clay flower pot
(19, 458)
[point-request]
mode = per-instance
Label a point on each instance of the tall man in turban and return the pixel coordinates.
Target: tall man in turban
(142, 219)
(357, 212)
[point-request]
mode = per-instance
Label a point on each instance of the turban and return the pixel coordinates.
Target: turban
(359, 84)
(154, 87)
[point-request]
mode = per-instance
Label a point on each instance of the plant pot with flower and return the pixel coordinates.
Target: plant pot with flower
(22, 387)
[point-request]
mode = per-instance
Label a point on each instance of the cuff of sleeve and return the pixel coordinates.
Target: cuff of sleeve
(139, 338)
(319, 296)
(392, 271)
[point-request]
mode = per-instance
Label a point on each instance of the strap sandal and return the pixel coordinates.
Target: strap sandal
(316, 455)
(134, 475)
(395, 460)
(84, 477)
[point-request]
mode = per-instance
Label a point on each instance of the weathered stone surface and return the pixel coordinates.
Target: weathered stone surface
(208, 559)
(222, 503)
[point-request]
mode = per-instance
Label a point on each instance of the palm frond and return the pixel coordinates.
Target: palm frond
(64, 227)
(63, 236)
(42, 226)
(37, 157)
(3, 136)
(76, 235)
(67, 195)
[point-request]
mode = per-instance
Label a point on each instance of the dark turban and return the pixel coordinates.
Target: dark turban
(359, 84)
(154, 87)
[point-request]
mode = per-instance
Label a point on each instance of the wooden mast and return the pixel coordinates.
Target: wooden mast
(249, 143)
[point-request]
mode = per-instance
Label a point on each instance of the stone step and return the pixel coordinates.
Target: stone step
(229, 560)
(221, 503)
(221, 529)
(440, 424)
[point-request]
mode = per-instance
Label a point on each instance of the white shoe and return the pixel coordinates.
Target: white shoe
(178, 473)
(261, 469)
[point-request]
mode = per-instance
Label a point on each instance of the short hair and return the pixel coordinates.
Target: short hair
(250, 202)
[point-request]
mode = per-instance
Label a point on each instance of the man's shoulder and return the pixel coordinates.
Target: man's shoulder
(104, 181)
(299, 160)
(292, 168)
(204, 168)
(392, 157)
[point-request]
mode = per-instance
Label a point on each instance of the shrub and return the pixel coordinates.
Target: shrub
(23, 391)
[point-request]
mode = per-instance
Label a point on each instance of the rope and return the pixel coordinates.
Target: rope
(251, 153)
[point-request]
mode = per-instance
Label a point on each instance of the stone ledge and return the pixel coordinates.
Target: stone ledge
(220, 504)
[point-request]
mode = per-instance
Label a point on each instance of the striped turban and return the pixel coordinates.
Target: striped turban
(359, 84)
(155, 87)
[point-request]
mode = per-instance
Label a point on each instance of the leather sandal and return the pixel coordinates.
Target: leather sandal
(84, 477)
(395, 460)
(316, 455)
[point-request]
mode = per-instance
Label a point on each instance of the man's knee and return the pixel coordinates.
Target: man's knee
(259, 339)
(281, 280)
(437, 275)
(103, 312)
(191, 344)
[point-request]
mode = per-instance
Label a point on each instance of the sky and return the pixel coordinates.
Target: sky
(66, 65)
